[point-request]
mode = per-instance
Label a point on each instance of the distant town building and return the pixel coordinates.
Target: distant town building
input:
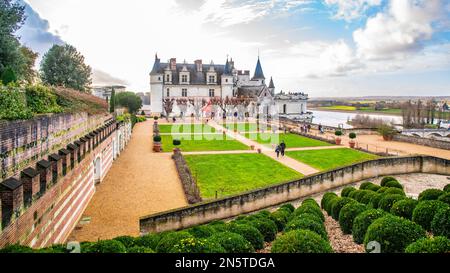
(104, 92)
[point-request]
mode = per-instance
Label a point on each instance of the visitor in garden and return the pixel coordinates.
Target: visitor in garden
(282, 147)
(277, 150)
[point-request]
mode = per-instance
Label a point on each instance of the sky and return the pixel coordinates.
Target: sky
(325, 48)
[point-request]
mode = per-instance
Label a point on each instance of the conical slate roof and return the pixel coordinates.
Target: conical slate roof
(156, 66)
(271, 85)
(258, 71)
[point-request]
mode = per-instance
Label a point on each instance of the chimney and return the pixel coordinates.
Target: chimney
(173, 64)
(198, 65)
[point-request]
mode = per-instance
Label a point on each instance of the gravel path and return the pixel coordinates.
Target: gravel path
(340, 242)
(139, 183)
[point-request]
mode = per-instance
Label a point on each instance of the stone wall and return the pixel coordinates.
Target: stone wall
(424, 141)
(42, 204)
(281, 193)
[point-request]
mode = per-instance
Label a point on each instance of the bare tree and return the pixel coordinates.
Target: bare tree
(198, 105)
(182, 105)
(168, 106)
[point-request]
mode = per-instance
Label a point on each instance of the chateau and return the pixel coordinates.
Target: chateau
(198, 80)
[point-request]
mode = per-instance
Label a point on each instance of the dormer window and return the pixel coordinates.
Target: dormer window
(212, 79)
(184, 78)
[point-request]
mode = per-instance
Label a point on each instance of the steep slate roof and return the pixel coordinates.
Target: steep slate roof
(271, 85)
(196, 77)
(258, 71)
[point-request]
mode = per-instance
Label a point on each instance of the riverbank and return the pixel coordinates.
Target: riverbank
(356, 112)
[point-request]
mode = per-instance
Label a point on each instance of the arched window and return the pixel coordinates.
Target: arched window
(284, 108)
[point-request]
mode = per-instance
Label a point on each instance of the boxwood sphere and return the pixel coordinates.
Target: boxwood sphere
(106, 246)
(267, 228)
(361, 194)
(301, 241)
(127, 241)
(388, 200)
(367, 197)
(393, 233)
(203, 231)
(337, 206)
(197, 245)
(393, 184)
(310, 201)
(375, 200)
(232, 242)
(171, 239)
(249, 233)
(445, 197)
(447, 188)
(308, 208)
(288, 206)
(140, 249)
(394, 191)
(424, 212)
(430, 194)
(404, 208)
(438, 244)
(373, 187)
(280, 217)
(387, 179)
(363, 221)
(348, 214)
(365, 185)
(382, 189)
(326, 200)
(440, 225)
(309, 224)
(346, 191)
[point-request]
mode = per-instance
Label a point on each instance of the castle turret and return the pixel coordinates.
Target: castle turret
(227, 81)
(271, 87)
(156, 86)
(259, 74)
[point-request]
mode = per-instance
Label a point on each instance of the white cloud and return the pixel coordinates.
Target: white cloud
(351, 9)
(400, 30)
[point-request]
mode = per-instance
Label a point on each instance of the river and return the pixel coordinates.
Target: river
(336, 119)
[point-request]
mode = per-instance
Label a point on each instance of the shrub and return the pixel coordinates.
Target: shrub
(367, 197)
(280, 217)
(363, 221)
(388, 200)
(394, 191)
(424, 212)
(352, 135)
(440, 225)
(447, 188)
(346, 191)
(41, 99)
(430, 194)
(249, 233)
(393, 233)
(445, 197)
(438, 244)
(197, 245)
(393, 184)
(150, 240)
(337, 206)
(267, 228)
(53, 249)
(232, 242)
(386, 179)
(218, 226)
(309, 224)
(170, 239)
(404, 208)
(16, 249)
(202, 231)
(127, 241)
(308, 208)
(373, 187)
(338, 133)
(288, 206)
(176, 142)
(348, 214)
(13, 104)
(140, 249)
(365, 185)
(326, 200)
(361, 194)
(157, 139)
(310, 201)
(301, 241)
(375, 200)
(382, 189)
(106, 246)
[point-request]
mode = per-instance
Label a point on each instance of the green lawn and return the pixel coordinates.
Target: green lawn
(242, 127)
(195, 143)
(339, 107)
(291, 140)
(186, 128)
(330, 158)
(235, 173)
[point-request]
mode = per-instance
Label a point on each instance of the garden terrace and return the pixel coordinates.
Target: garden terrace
(202, 142)
(292, 140)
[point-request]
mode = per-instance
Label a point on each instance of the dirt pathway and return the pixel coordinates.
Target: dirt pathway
(139, 183)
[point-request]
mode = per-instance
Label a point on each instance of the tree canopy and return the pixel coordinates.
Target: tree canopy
(65, 66)
(129, 100)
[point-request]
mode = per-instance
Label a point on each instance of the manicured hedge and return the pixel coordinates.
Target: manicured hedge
(337, 206)
(447, 188)
(430, 194)
(288, 206)
(106, 246)
(199, 245)
(325, 203)
(375, 200)
(346, 191)
(348, 214)
(394, 191)
(150, 240)
(308, 208)
(310, 201)
(404, 208)
(445, 197)
(218, 226)
(367, 197)
(365, 185)
(424, 212)
(382, 189)
(438, 244)
(203, 231)
(170, 239)
(267, 228)
(393, 184)
(280, 217)
(232, 242)
(249, 233)
(393, 233)
(308, 224)
(140, 249)
(388, 200)
(127, 241)
(373, 187)
(301, 241)
(387, 179)
(440, 225)
(16, 248)
(363, 221)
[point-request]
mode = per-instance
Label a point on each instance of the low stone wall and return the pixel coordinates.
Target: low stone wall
(281, 193)
(423, 141)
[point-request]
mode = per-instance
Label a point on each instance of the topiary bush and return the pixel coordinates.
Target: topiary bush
(170, 239)
(361, 194)
(348, 214)
(150, 240)
(280, 217)
(127, 241)
(346, 191)
(16, 248)
(140, 249)
(203, 231)
(308, 208)
(337, 206)
(382, 189)
(386, 179)
(424, 212)
(232, 242)
(393, 233)
(308, 224)
(249, 233)
(267, 228)
(363, 221)
(373, 187)
(440, 225)
(365, 185)
(393, 184)
(388, 200)
(310, 201)
(438, 244)
(430, 194)
(218, 226)
(445, 197)
(394, 191)
(301, 241)
(288, 206)
(198, 245)
(404, 208)
(106, 246)
(367, 197)
(326, 200)
(447, 188)
(375, 200)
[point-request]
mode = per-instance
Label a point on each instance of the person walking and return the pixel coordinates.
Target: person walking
(282, 147)
(278, 150)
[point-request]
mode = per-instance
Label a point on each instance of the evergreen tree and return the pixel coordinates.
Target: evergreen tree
(112, 101)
